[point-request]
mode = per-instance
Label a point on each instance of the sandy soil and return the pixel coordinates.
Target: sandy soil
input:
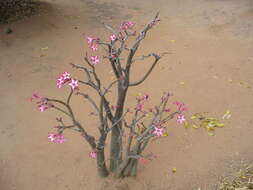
(211, 45)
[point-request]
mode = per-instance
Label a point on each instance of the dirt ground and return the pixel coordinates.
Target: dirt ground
(210, 68)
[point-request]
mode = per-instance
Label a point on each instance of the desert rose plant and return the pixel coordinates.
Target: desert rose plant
(138, 125)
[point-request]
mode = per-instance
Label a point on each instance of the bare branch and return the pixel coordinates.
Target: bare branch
(149, 71)
(86, 96)
(69, 97)
(82, 68)
(137, 42)
(90, 139)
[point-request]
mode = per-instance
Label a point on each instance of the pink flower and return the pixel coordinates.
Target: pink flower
(94, 47)
(35, 95)
(180, 119)
(94, 60)
(42, 108)
(60, 82)
(51, 137)
(127, 25)
(73, 84)
(93, 154)
(139, 107)
(180, 105)
(93, 43)
(158, 131)
(56, 138)
(65, 75)
(62, 79)
(113, 37)
(42, 102)
(89, 40)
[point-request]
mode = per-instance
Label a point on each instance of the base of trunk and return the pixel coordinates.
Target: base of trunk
(130, 170)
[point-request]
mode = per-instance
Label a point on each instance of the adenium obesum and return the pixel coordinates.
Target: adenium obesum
(138, 124)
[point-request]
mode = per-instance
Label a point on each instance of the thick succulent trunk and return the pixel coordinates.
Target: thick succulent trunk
(116, 136)
(102, 170)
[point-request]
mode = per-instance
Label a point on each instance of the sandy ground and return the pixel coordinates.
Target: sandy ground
(211, 45)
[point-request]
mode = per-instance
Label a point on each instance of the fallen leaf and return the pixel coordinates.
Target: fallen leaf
(172, 41)
(210, 134)
(195, 126)
(174, 170)
(227, 115)
(220, 125)
(186, 124)
(44, 48)
(193, 117)
(165, 134)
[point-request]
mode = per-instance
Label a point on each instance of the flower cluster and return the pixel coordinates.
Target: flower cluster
(42, 102)
(56, 138)
(65, 78)
(181, 107)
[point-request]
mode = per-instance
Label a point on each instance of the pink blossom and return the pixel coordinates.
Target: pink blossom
(65, 75)
(89, 40)
(180, 119)
(56, 138)
(127, 25)
(180, 105)
(73, 84)
(143, 98)
(139, 107)
(94, 47)
(93, 43)
(94, 60)
(62, 79)
(93, 154)
(35, 95)
(42, 108)
(113, 37)
(42, 102)
(158, 131)
(60, 82)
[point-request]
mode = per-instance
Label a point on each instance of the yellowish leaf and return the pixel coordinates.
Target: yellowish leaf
(210, 134)
(165, 134)
(174, 170)
(44, 48)
(220, 125)
(194, 117)
(195, 126)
